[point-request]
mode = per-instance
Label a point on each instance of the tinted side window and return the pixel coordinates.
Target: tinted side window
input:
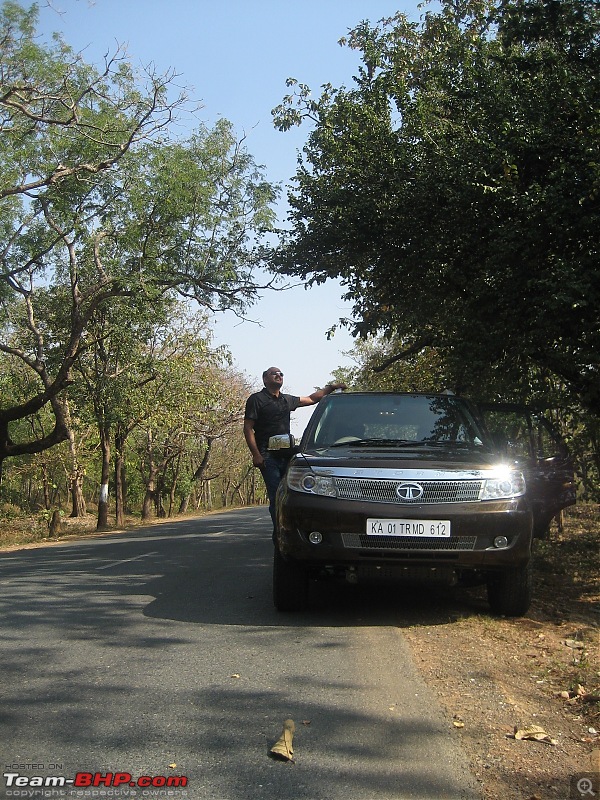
(546, 442)
(523, 434)
(512, 430)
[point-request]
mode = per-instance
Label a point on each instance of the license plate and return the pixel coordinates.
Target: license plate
(425, 528)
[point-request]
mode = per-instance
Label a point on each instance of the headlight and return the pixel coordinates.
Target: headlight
(302, 479)
(508, 484)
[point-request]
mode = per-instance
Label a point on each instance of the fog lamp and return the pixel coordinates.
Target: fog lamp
(500, 541)
(309, 482)
(314, 537)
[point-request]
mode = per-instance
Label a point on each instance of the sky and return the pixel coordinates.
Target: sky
(234, 57)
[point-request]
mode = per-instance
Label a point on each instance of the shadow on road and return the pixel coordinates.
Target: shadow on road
(228, 582)
(94, 665)
(219, 575)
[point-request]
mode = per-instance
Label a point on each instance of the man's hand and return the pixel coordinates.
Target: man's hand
(321, 393)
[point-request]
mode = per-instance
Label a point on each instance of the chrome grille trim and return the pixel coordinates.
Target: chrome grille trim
(361, 540)
(384, 491)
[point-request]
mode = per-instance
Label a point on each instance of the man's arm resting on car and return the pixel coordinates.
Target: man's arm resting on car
(320, 394)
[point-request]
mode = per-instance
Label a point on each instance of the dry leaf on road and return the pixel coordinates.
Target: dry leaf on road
(282, 749)
(534, 733)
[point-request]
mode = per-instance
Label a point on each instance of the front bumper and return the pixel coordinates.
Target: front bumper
(345, 544)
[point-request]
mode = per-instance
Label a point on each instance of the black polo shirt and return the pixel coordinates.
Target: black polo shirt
(271, 415)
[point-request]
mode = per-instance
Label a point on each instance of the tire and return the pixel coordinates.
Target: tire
(290, 584)
(510, 592)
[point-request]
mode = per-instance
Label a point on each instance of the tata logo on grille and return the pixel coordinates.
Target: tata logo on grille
(409, 491)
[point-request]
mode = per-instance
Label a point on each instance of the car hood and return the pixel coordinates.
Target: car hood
(437, 459)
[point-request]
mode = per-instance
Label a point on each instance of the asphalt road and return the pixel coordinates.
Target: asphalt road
(159, 653)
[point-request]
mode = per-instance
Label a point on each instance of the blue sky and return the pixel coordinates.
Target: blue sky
(234, 57)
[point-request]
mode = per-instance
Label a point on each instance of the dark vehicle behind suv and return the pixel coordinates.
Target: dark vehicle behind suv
(414, 487)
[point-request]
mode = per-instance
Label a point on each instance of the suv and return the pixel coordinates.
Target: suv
(395, 486)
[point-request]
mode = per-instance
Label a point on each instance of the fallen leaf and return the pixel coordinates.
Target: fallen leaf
(458, 721)
(575, 644)
(172, 766)
(534, 733)
(282, 749)
(235, 675)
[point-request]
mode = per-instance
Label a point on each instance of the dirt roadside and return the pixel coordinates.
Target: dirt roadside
(495, 676)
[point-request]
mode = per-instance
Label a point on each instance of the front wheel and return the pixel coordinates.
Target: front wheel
(290, 584)
(510, 591)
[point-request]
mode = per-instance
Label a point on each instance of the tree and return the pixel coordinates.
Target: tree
(455, 192)
(113, 374)
(188, 382)
(423, 371)
(97, 203)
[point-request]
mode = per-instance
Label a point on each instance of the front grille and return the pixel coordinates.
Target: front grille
(384, 491)
(407, 542)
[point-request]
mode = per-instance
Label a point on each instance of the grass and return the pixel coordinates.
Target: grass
(17, 530)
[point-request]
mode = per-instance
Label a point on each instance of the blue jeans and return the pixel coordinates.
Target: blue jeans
(272, 472)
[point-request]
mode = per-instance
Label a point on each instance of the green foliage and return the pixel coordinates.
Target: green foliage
(429, 371)
(105, 217)
(420, 372)
(454, 188)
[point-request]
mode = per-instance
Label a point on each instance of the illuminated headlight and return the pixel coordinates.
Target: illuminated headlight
(301, 479)
(508, 484)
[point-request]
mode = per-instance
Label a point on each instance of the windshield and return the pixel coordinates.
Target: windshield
(393, 420)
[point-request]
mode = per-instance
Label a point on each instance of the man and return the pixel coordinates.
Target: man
(267, 415)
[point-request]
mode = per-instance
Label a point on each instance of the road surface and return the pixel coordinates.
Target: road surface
(158, 654)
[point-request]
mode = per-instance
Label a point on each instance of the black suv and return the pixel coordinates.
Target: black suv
(405, 487)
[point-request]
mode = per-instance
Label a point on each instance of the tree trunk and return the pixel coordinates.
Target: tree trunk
(148, 503)
(104, 479)
(55, 524)
(199, 473)
(174, 481)
(238, 486)
(150, 481)
(158, 498)
(78, 508)
(46, 486)
(119, 480)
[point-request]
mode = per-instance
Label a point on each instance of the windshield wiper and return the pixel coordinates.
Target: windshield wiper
(452, 443)
(402, 443)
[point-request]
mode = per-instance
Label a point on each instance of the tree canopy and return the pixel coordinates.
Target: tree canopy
(99, 201)
(454, 189)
